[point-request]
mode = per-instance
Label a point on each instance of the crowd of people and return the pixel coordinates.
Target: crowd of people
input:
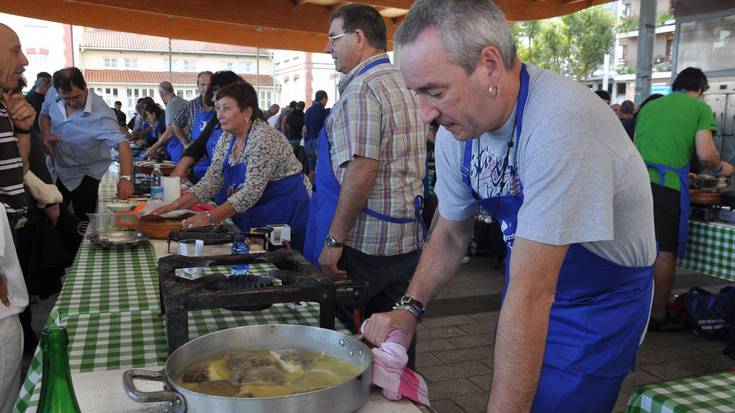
(584, 207)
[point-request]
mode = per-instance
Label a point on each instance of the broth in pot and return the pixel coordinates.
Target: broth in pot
(266, 373)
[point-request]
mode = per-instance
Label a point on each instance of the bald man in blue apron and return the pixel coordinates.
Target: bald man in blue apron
(570, 193)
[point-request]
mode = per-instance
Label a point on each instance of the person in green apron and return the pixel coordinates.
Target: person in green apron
(668, 132)
(569, 191)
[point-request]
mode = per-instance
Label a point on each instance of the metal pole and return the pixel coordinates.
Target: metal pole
(170, 68)
(257, 73)
(646, 36)
(605, 72)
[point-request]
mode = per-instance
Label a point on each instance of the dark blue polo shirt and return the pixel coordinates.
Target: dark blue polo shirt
(314, 120)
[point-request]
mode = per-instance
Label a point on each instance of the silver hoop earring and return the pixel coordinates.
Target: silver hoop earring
(493, 90)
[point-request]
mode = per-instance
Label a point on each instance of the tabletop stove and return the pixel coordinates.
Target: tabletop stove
(297, 281)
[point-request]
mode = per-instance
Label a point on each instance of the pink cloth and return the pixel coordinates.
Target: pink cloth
(201, 207)
(390, 372)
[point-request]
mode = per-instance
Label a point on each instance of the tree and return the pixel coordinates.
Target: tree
(573, 45)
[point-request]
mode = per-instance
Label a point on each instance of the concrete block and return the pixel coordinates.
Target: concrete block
(477, 340)
(446, 406)
(454, 371)
(465, 354)
(427, 359)
(437, 344)
(473, 404)
(451, 388)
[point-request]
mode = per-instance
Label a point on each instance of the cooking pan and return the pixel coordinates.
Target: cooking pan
(342, 398)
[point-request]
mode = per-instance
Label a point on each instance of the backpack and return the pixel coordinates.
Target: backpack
(710, 315)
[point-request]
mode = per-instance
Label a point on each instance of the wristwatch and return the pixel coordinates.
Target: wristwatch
(126, 177)
(331, 242)
(412, 305)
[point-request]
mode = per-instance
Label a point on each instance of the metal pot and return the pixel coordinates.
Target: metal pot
(345, 397)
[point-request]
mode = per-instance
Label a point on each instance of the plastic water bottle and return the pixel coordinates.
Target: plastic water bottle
(156, 185)
(240, 246)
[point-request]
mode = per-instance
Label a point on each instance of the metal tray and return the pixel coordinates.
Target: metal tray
(116, 239)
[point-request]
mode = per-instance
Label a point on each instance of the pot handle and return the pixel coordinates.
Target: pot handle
(176, 400)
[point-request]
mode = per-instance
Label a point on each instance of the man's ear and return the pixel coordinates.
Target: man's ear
(490, 61)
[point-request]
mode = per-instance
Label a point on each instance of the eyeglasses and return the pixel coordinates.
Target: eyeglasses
(332, 39)
(78, 98)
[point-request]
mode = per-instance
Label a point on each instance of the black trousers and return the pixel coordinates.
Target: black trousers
(83, 199)
(388, 278)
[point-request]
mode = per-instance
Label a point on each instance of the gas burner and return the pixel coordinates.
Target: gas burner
(211, 235)
(705, 213)
(299, 281)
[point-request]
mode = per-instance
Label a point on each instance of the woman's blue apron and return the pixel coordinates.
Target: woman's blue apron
(200, 123)
(598, 316)
(324, 200)
(683, 174)
(174, 149)
(284, 201)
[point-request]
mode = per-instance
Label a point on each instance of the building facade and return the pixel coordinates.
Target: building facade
(126, 66)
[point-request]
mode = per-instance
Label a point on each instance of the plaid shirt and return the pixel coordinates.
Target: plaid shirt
(187, 113)
(377, 117)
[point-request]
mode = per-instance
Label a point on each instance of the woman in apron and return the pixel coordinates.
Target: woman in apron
(257, 167)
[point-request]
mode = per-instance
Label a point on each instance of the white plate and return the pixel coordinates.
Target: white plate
(119, 206)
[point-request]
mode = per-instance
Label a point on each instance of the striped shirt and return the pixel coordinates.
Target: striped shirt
(12, 194)
(377, 117)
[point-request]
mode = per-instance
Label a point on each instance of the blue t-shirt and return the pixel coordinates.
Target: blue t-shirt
(314, 120)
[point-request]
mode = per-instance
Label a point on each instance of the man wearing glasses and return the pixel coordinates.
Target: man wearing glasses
(365, 215)
(78, 130)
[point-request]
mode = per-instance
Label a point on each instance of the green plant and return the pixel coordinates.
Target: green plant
(625, 70)
(627, 24)
(662, 18)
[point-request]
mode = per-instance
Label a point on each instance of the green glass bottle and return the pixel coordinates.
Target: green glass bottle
(57, 392)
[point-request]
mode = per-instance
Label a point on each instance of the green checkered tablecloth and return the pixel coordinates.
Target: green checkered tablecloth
(713, 393)
(711, 249)
(102, 281)
(113, 341)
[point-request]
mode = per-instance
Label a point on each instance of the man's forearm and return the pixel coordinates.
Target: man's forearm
(356, 186)
(523, 325)
(24, 146)
(126, 158)
(440, 259)
(185, 140)
(43, 124)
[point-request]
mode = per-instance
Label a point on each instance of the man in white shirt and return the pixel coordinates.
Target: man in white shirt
(13, 300)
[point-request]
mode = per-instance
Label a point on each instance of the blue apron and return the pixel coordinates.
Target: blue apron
(200, 122)
(598, 316)
(174, 149)
(683, 174)
(284, 201)
(324, 200)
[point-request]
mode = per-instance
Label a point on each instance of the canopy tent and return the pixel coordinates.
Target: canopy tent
(275, 24)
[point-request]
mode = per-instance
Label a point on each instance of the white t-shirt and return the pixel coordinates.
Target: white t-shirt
(583, 180)
(10, 269)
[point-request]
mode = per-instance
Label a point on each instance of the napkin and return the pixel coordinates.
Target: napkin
(390, 372)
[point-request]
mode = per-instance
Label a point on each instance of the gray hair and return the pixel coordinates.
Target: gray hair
(466, 27)
(166, 87)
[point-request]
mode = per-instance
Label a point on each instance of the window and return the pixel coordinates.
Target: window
(110, 63)
(174, 63)
(245, 67)
(620, 88)
(189, 94)
(228, 66)
(131, 62)
(133, 94)
(265, 98)
(180, 93)
(190, 65)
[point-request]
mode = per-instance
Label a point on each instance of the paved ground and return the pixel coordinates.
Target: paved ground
(455, 342)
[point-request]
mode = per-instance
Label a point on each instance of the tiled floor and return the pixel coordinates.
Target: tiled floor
(455, 342)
